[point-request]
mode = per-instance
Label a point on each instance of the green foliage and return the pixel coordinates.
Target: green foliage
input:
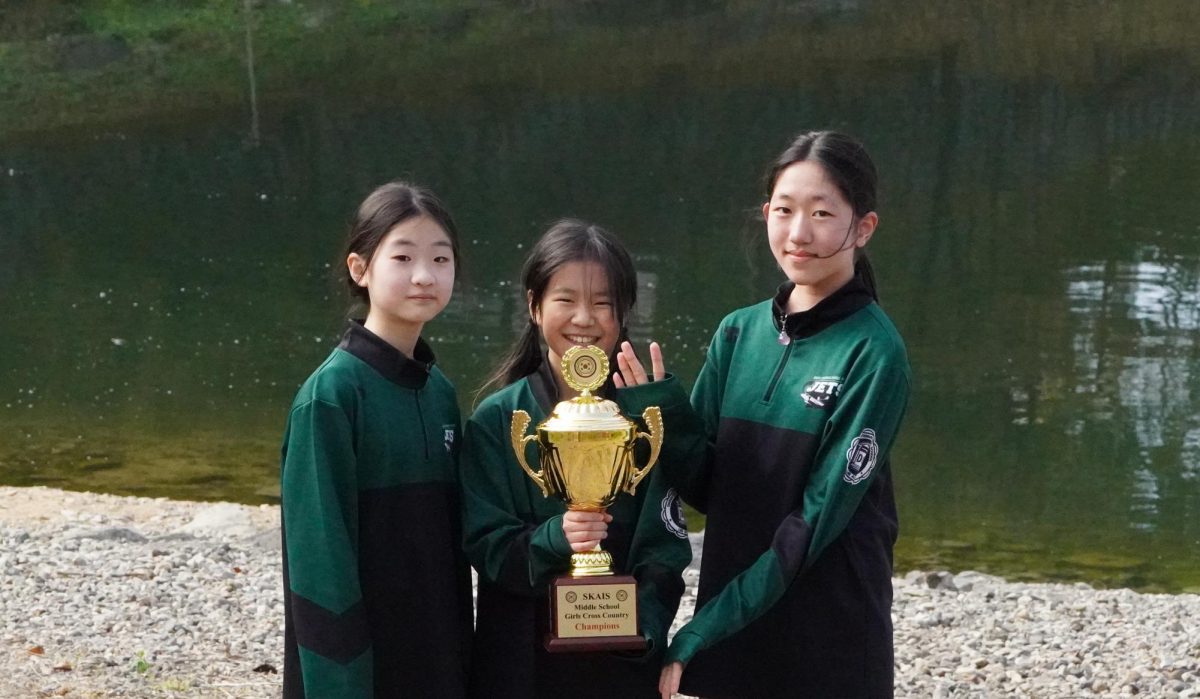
(184, 54)
(140, 665)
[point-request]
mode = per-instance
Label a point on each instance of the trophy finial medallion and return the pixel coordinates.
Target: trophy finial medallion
(585, 369)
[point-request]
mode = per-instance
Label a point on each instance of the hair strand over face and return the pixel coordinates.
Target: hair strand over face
(847, 164)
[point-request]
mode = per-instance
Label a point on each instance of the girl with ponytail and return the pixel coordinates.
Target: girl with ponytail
(580, 286)
(567, 241)
(801, 396)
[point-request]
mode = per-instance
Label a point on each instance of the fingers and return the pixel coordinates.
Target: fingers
(584, 516)
(630, 371)
(584, 530)
(630, 366)
(668, 681)
(656, 362)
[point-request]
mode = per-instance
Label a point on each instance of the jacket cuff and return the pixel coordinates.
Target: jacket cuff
(685, 645)
(551, 537)
(668, 392)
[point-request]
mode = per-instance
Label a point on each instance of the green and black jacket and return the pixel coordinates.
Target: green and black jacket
(795, 587)
(377, 589)
(514, 539)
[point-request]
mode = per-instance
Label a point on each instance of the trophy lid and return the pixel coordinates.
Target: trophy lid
(585, 369)
(590, 414)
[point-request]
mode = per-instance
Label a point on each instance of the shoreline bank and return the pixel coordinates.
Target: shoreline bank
(111, 596)
(68, 65)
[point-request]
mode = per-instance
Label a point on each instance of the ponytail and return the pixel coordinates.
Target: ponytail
(865, 273)
(525, 357)
(520, 362)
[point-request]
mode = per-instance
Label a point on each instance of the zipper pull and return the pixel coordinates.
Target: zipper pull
(783, 338)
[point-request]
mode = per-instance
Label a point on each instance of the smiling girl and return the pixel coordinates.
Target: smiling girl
(580, 286)
(802, 396)
(377, 591)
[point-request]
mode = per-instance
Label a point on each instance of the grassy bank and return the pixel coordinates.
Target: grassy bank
(106, 61)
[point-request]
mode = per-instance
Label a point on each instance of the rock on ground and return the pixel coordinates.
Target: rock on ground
(106, 596)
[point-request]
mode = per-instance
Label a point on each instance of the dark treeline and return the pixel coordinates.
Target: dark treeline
(105, 60)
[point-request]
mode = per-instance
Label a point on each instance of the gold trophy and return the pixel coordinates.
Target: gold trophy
(585, 451)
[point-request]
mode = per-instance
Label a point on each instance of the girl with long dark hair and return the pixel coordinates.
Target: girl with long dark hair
(580, 287)
(802, 396)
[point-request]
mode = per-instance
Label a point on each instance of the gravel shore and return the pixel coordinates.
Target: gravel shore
(107, 596)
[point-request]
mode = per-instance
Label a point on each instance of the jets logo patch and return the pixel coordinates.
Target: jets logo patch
(861, 456)
(821, 391)
(448, 438)
(672, 514)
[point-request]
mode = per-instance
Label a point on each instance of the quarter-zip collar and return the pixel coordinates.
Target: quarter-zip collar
(544, 386)
(391, 363)
(851, 297)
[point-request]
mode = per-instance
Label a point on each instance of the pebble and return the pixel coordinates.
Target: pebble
(107, 596)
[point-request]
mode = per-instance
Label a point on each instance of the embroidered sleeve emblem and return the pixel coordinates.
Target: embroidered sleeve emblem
(861, 457)
(672, 514)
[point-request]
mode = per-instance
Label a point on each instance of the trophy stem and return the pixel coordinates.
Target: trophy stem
(589, 563)
(597, 561)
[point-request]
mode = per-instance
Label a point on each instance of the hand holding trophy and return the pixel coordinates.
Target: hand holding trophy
(585, 453)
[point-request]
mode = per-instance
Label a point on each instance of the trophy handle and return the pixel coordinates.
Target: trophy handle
(653, 418)
(520, 423)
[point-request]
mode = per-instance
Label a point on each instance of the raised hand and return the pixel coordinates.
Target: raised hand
(630, 371)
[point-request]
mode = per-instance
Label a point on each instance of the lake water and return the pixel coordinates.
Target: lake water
(165, 286)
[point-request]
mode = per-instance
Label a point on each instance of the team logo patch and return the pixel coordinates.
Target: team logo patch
(448, 438)
(861, 456)
(672, 514)
(821, 391)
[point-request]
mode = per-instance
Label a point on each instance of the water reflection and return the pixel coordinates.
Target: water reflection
(163, 289)
(1146, 377)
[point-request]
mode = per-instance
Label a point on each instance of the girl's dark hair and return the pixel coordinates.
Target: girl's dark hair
(847, 164)
(384, 209)
(568, 240)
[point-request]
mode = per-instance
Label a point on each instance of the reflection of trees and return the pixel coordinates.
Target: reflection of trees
(252, 82)
(1143, 374)
(979, 208)
(1022, 217)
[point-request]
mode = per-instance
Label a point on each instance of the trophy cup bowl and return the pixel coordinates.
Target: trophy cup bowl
(586, 458)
